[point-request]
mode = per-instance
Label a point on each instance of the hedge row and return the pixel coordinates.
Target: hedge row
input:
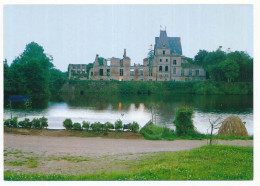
(37, 123)
(97, 126)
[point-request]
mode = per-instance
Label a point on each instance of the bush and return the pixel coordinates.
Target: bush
(25, 123)
(85, 125)
(43, 122)
(96, 126)
(126, 126)
(118, 125)
(36, 123)
(12, 122)
(76, 126)
(183, 121)
(108, 126)
(134, 127)
(153, 132)
(67, 123)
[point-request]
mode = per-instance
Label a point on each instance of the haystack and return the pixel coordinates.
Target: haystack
(232, 126)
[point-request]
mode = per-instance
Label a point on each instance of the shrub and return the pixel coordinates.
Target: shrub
(118, 125)
(36, 123)
(153, 132)
(12, 122)
(85, 125)
(43, 122)
(183, 121)
(25, 123)
(108, 126)
(76, 126)
(134, 127)
(96, 126)
(67, 123)
(126, 126)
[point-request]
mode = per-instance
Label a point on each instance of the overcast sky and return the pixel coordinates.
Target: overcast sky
(76, 33)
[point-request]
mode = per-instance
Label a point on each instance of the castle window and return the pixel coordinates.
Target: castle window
(174, 62)
(163, 52)
(166, 60)
(174, 70)
(108, 72)
(190, 72)
(160, 68)
(166, 68)
(132, 72)
(160, 60)
(141, 72)
(101, 72)
(121, 72)
(150, 72)
(182, 72)
(197, 72)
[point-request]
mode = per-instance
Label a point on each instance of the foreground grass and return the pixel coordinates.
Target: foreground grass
(204, 163)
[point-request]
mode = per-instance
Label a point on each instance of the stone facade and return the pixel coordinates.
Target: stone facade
(166, 63)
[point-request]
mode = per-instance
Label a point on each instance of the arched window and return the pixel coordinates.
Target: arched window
(163, 52)
(166, 68)
(160, 68)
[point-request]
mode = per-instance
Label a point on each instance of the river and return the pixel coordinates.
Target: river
(142, 109)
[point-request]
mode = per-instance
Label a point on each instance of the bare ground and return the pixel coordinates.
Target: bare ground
(78, 155)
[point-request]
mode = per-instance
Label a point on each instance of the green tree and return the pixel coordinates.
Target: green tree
(245, 63)
(57, 80)
(230, 69)
(30, 72)
(199, 58)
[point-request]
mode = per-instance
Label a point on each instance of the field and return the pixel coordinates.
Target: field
(41, 157)
(205, 163)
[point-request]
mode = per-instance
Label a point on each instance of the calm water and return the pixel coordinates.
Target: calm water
(143, 108)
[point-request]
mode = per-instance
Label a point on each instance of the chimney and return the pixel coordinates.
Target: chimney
(124, 53)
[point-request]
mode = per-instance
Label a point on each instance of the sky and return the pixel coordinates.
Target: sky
(74, 34)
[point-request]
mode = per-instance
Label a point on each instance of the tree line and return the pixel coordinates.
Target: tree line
(234, 66)
(32, 73)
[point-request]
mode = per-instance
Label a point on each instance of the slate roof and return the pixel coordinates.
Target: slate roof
(174, 43)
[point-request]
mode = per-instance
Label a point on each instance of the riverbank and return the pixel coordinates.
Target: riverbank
(113, 134)
(72, 133)
(76, 158)
(103, 88)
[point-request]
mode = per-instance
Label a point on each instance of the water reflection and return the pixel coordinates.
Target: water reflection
(144, 108)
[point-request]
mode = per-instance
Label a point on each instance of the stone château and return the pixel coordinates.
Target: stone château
(164, 63)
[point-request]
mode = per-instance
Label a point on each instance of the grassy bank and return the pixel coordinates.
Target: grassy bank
(204, 163)
(90, 87)
(152, 133)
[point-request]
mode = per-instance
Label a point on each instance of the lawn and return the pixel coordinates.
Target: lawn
(215, 162)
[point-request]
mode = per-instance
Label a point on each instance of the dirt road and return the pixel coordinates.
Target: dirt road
(94, 147)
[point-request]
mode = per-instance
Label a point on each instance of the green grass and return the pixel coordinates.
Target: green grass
(153, 132)
(204, 163)
(32, 162)
(15, 163)
(75, 158)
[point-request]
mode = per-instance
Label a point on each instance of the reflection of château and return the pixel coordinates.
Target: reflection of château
(165, 63)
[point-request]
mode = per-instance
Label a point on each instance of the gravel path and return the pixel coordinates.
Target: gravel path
(78, 146)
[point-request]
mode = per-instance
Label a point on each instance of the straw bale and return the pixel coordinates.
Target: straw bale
(232, 126)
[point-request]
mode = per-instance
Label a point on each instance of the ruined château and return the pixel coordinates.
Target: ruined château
(164, 63)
